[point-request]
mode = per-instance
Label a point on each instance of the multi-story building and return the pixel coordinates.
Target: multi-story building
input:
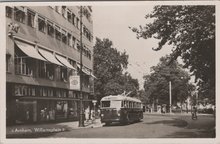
(43, 62)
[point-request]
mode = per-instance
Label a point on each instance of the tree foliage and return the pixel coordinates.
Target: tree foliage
(157, 83)
(109, 64)
(191, 32)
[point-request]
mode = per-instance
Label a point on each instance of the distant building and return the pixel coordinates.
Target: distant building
(43, 60)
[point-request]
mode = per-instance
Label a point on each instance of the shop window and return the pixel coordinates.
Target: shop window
(9, 12)
(30, 17)
(50, 29)
(19, 15)
(62, 109)
(41, 24)
(73, 19)
(69, 16)
(69, 40)
(64, 36)
(57, 33)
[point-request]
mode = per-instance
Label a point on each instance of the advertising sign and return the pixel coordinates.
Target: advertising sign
(75, 82)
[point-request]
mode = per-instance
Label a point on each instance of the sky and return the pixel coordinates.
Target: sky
(113, 22)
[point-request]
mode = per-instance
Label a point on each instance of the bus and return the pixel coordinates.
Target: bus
(120, 108)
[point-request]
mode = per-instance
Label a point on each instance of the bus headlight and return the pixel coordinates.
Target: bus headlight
(102, 115)
(119, 114)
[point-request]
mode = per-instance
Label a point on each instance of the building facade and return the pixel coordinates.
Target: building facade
(43, 62)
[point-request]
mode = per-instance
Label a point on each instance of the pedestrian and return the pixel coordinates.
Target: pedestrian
(194, 112)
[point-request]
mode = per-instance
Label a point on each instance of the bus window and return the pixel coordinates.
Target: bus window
(105, 103)
(122, 103)
(116, 104)
(125, 104)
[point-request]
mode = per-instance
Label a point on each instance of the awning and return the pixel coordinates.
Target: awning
(83, 69)
(29, 50)
(64, 62)
(49, 56)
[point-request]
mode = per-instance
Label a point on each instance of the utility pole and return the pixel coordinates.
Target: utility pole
(81, 114)
(170, 93)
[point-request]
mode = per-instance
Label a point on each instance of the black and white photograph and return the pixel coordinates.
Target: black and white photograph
(109, 71)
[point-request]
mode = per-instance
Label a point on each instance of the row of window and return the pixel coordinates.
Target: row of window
(130, 104)
(36, 21)
(25, 90)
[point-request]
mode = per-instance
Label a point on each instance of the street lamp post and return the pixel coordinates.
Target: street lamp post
(81, 113)
(170, 94)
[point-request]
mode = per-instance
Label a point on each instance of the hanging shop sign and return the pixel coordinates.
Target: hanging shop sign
(74, 82)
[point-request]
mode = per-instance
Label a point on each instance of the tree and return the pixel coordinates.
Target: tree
(109, 64)
(191, 32)
(157, 83)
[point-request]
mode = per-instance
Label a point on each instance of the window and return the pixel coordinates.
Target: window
(9, 11)
(64, 36)
(19, 15)
(69, 40)
(58, 94)
(50, 92)
(41, 24)
(7, 62)
(58, 9)
(64, 74)
(105, 103)
(22, 90)
(42, 69)
(57, 33)
(33, 91)
(69, 16)
(50, 29)
(44, 92)
(64, 12)
(30, 17)
(22, 66)
(73, 19)
(77, 23)
(73, 42)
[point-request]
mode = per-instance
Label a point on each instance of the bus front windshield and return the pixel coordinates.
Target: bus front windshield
(111, 104)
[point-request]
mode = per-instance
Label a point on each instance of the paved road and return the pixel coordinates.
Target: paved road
(152, 126)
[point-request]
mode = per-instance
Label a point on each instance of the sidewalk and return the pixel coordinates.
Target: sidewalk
(38, 130)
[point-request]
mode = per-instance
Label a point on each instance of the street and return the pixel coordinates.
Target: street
(152, 126)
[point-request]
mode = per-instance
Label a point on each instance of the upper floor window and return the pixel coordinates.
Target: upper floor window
(73, 42)
(41, 24)
(50, 29)
(77, 23)
(7, 62)
(58, 9)
(9, 11)
(69, 39)
(57, 33)
(19, 15)
(30, 17)
(64, 36)
(64, 11)
(73, 19)
(69, 16)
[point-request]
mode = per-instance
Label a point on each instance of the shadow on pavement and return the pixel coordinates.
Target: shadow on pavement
(174, 122)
